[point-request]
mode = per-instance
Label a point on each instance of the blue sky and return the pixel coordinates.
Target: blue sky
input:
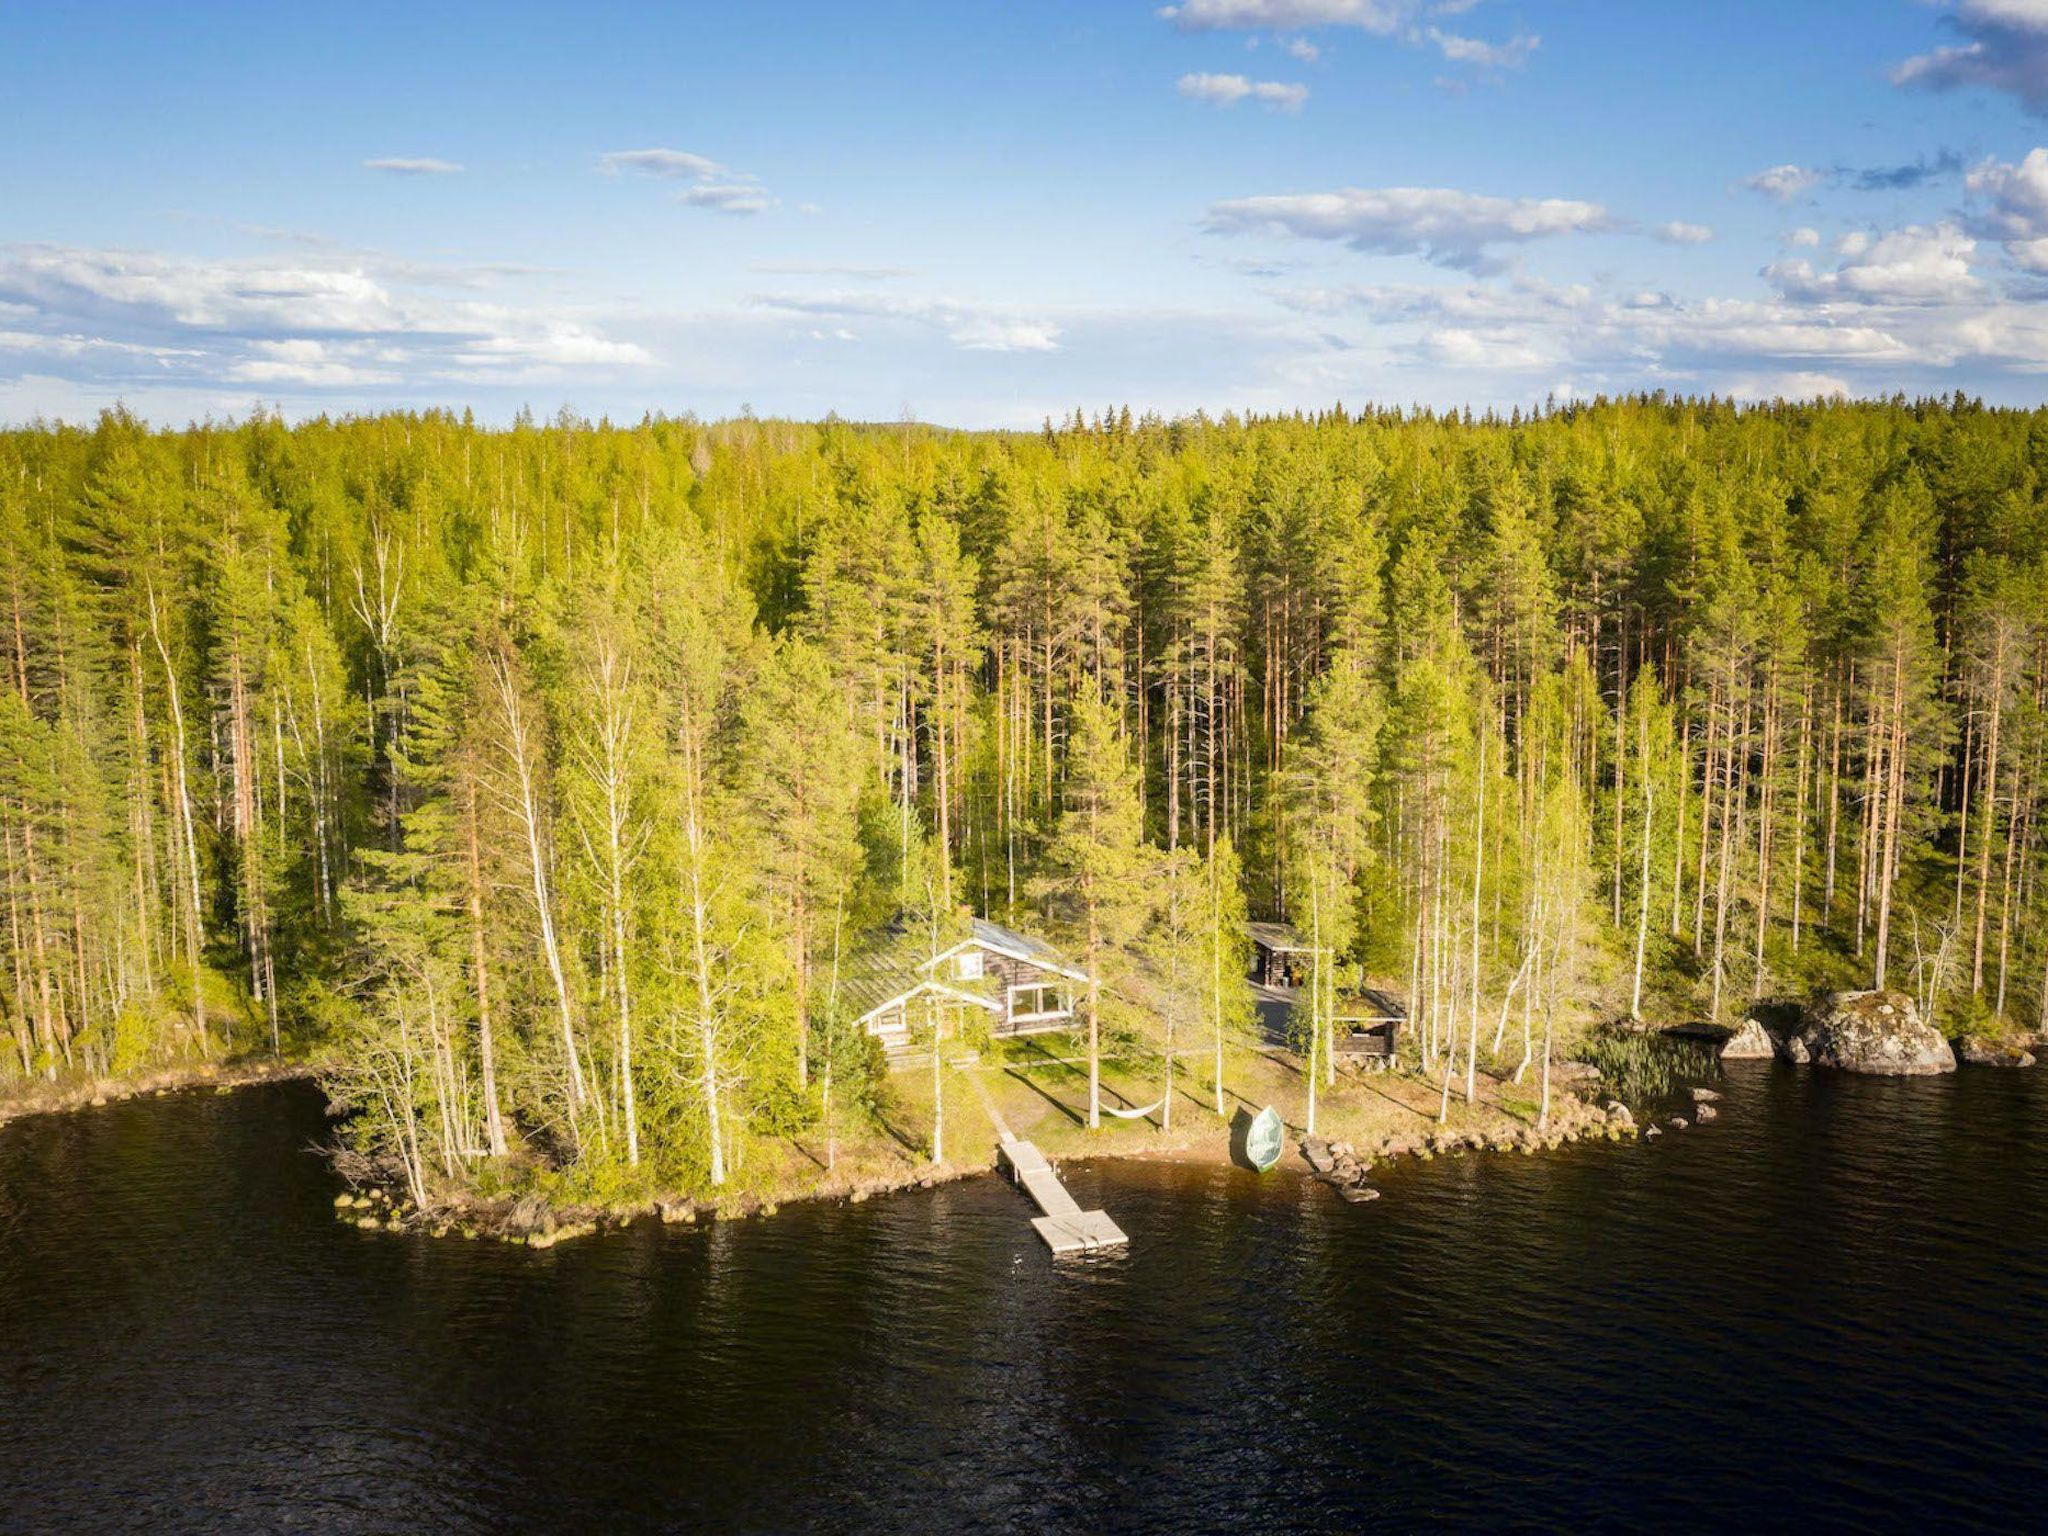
(983, 214)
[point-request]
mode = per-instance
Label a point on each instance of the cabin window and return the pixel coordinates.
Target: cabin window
(967, 965)
(1038, 1001)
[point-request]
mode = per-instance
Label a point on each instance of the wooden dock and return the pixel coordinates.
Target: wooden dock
(1065, 1227)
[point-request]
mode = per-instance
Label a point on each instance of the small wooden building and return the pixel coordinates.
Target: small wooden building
(1020, 984)
(1366, 1027)
(1367, 1022)
(1280, 956)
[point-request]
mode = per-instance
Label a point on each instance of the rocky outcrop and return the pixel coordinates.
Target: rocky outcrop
(1752, 1042)
(1878, 1032)
(1976, 1051)
(1338, 1165)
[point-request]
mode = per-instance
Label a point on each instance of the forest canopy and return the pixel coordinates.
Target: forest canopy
(543, 779)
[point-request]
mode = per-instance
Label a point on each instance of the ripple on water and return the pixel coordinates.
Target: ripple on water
(1821, 1308)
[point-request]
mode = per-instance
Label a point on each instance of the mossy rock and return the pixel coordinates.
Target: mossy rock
(1878, 1032)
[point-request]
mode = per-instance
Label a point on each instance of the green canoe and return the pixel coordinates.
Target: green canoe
(1262, 1142)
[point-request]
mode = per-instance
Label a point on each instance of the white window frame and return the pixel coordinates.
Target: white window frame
(1059, 992)
(880, 1024)
(969, 965)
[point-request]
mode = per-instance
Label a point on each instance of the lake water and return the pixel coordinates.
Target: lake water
(1824, 1310)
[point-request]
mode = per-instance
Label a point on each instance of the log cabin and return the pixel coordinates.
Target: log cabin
(1365, 1021)
(1020, 984)
(1280, 956)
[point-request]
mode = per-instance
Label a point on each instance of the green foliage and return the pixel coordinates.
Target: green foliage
(515, 770)
(1647, 1069)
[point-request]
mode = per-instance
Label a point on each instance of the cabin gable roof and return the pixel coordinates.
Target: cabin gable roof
(996, 939)
(899, 971)
(1278, 938)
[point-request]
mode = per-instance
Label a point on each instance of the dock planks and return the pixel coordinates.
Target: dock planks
(1065, 1227)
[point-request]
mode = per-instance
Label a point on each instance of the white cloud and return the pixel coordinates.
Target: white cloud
(1783, 182)
(1798, 385)
(1901, 310)
(1378, 16)
(829, 269)
(2018, 212)
(718, 188)
(2007, 51)
(1805, 235)
(668, 164)
(550, 344)
(1678, 232)
(172, 293)
(1450, 228)
(76, 346)
(737, 197)
(990, 335)
(304, 361)
(397, 165)
(969, 325)
(1229, 90)
(1462, 348)
(1512, 54)
(1403, 20)
(1920, 264)
(327, 321)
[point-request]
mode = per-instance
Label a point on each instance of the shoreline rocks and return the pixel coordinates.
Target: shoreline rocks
(1879, 1032)
(1751, 1042)
(75, 1093)
(1977, 1051)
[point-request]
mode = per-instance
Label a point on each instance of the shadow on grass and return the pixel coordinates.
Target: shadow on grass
(901, 1138)
(1014, 1072)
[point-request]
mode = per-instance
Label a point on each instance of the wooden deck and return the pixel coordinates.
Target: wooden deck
(1065, 1227)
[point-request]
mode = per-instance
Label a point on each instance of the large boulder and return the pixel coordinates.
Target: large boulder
(1752, 1042)
(1879, 1032)
(1977, 1051)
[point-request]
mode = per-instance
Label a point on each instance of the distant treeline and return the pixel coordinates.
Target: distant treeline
(549, 778)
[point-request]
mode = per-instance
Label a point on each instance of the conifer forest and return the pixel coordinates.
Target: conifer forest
(541, 784)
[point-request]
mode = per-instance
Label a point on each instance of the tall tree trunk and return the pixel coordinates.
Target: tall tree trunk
(519, 754)
(195, 933)
(487, 1044)
(1895, 793)
(1988, 817)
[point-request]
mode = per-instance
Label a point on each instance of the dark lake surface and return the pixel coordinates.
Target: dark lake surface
(1823, 1311)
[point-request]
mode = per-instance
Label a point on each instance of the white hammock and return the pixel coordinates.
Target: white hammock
(1134, 1114)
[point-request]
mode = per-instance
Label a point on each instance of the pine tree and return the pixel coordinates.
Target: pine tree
(799, 778)
(1097, 882)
